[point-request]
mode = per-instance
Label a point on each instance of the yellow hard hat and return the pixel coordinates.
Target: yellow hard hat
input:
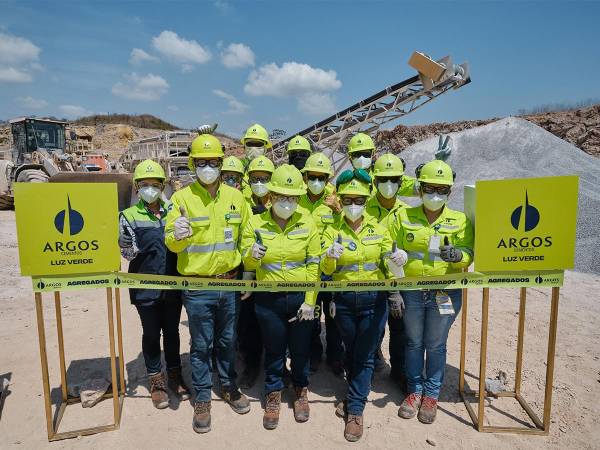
(205, 146)
(436, 172)
(256, 132)
(148, 169)
(360, 142)
(298, 143)
(287, 180)
(232, 164)
(388, 165)
(318, 162)
(354, 187)
(261, 163)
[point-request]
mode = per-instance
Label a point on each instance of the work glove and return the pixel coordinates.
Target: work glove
(450, 253)
(207, 129)
(444, 148)
(306, 312)
(396, 303)
(125, 240)
(336, 249)
(398, 256)
(183, 229)
(258, 250)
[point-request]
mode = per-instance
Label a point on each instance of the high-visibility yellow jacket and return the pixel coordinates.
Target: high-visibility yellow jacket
(292, 254)
(216, 229)
(412, 231)
(320, 212)
(374, 208)
(364, 251)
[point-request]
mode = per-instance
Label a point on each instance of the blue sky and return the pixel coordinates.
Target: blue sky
(287, 64)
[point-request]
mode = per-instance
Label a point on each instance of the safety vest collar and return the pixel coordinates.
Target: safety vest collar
(200, 190)
(307, 203)
(141, 208)
(417, 214)
(269, 223)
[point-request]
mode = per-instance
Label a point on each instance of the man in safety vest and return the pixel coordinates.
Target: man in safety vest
(141, 238)
(259, 173)
(232, 172)
(203, 228)
(256, 142)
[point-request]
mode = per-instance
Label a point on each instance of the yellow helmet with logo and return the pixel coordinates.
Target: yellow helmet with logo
(388, 165)
(436, 172)
(318, 162)
(148, 169)
(261, 163)
(256, 132)
(205, 146)
(298, 144)
(360, 142)
(232, 164)
(287, 180)
(354, 187)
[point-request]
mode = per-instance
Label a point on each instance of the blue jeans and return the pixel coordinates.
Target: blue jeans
(211, 318)
(273, 310)
(426, 334)
(360, 317)
(334, 349)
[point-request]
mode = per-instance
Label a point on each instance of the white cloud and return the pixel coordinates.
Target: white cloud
(180, 50)
(12, 75)
(73, 111)
(237, 55)
(18, 56)
(139, 56)
(144, 88)
(32, 103)
(235, 106)
(310, 86)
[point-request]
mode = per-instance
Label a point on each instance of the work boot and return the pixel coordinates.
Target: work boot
(201, 422)
(410, 405)
(301, 408)
(341, 410)
(238, 401)
(354, 428)
(272, 407)
(177, 385)
(249, 377)
(158, 391)
(428, 410)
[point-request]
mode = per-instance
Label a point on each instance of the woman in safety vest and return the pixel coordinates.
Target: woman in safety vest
(282, 244)
(437, 241)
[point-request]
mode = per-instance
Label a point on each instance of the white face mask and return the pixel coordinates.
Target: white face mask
(435, 201)
(254, 152)
(149, 193)
(207, 174)
(259, 189)
(285, 208)
(388, 189)
(316, 186)
(361, 162)
(353, 212)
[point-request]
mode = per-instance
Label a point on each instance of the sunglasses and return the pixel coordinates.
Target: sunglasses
(386, 179)
(208, 162)
(347, 175)
(347, 201)
(254, 144)
(253, 179)
(317, 177)
(231, 177)
(429, 189)
(285, 198)
(363, 154)
(143, 184)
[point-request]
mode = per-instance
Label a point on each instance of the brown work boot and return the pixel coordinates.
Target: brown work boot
(410, 406)
(428, 410)
(238, 401)
(158, 391)
(272, 407)
(301, 409)
(354, 428)
(201, 422)
(177, 385)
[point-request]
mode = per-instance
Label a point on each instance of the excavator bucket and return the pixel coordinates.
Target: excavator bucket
(124, 182)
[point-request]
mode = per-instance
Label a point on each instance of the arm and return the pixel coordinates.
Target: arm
(328, 264)
(173, 244)
(129, 252)
(313, 257)
(463, 241)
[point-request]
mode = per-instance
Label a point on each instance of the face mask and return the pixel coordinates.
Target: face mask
(259, 189)
(361, 162)
(316, 186)
(254, 152)
(207, 174)
(149, 193)
(298, 159)
(353, 212)
(434, 201)
(387, 189)
(284, 209)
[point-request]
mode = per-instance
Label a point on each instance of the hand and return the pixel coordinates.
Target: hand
(399, 257)
(183, 229)
(247, 276)
(396, 303)
(258, 209)
(258, 251)
(444, 148)
(336, 249)
(306, 312)
(450, 253)
(332, 201)
(125, 240)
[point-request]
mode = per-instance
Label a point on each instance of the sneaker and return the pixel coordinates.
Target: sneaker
(177, 385)
(249, 377)
(201, 422)
(341, 410)
(428, 410)
(410, 406)
(272, 407)
(238, 401)
(301, 408)
(354, 428)
(158, 391)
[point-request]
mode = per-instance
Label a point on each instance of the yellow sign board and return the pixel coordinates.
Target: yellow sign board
(526, 224)
(67, 228)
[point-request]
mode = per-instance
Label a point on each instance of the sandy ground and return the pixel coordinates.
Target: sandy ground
(575, 403)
